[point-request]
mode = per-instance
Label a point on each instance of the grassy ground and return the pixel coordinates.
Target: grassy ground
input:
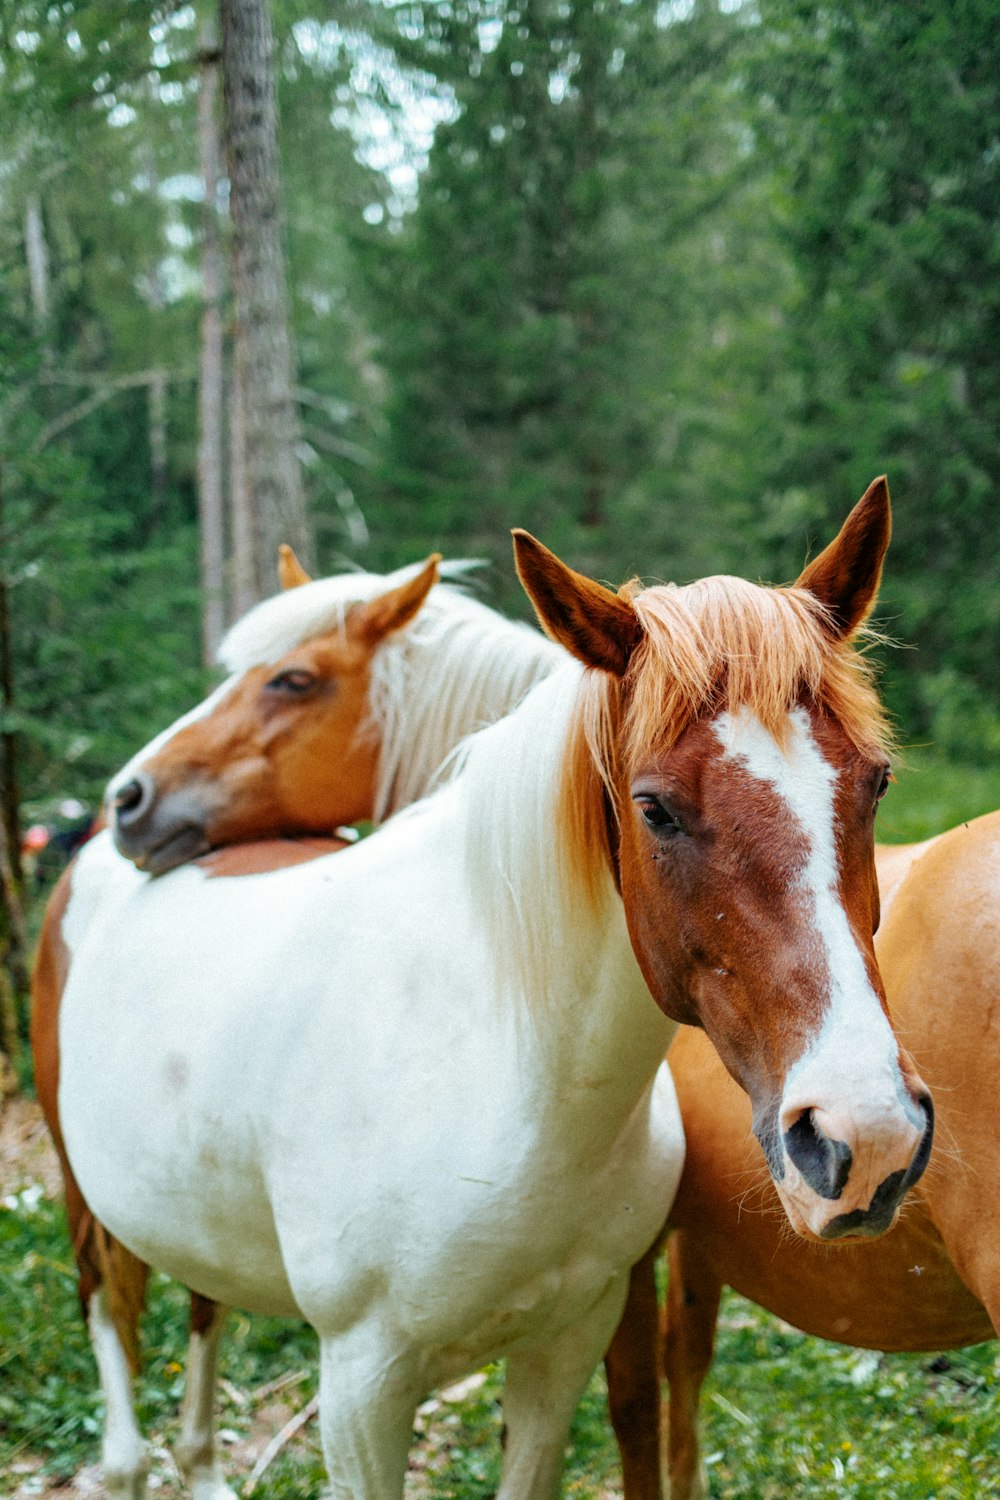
(930, 795)
(783, 1415)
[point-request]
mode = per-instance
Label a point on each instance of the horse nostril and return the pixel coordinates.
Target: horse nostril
(825, 1164)
(923, 1151)
(131, 800)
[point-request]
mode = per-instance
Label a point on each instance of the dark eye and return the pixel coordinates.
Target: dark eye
(294, 682)
(883, 785)
(655, 815)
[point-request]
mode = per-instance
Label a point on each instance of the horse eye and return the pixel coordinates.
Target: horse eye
(295, 682)
(655, 815)
(883, 786)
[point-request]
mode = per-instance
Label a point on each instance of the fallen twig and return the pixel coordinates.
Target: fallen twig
(279, 1441)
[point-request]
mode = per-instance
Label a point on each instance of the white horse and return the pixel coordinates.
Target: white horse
(412, 1092)
(343, 697)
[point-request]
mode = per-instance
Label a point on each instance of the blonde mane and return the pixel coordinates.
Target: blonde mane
(718, 644)
(455, 668)
(725, 644)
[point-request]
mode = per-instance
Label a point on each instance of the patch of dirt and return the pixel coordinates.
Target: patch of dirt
(27, 1156)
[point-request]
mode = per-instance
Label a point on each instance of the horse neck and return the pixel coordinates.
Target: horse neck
(460, 667)
(561, 954)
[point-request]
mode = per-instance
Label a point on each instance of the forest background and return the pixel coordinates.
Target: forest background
(665, 281)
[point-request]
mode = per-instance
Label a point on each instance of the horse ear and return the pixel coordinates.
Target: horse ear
(596, 625)
(291, 573)
(846, 575)
(373, 621)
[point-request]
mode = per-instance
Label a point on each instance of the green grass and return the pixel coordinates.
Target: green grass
(931, 794)
(783, 1414)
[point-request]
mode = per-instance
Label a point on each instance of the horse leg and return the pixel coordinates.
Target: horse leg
(633, 1366)
(693, 1294)
(123, 1452)
(195, 1451)
(368, 1393)
(542, 1389)
(112, 1285)
(111, 1281)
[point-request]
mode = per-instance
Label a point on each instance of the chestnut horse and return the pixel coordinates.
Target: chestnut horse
(414, 1093)
(932, 1283)
(341, 704)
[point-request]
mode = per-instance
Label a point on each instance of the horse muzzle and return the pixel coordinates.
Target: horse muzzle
(157, 832)
(841, 1179)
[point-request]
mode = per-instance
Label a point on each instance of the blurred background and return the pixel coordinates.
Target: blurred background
(665, 281)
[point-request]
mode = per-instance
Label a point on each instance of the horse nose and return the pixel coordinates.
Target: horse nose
(824, 1161)
(864, 1165)
(132, 801)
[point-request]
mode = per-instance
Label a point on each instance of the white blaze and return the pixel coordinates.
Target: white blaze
(200, 711)
(851, 1066)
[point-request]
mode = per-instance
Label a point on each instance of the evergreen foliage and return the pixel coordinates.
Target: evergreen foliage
(670, 284)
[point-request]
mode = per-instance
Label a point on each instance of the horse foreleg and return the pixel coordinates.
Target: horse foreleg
(112, 1286)
(634, 1366)
(368, 1393)
(195, 1451)
(123, 1452)
(542, 1389)
(693, 1294)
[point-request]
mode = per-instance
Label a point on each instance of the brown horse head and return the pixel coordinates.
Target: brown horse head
(743, 753)
(281, 747)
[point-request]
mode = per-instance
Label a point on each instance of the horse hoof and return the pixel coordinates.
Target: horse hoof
(210, 1486)
(121, 1484)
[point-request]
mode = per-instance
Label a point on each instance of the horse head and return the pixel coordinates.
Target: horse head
(281, 747)
(743, 753)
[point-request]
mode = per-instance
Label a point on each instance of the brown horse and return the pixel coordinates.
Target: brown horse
(341, 703)
(933, 1282)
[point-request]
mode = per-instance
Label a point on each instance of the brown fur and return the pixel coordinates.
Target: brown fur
(264, 855)
(933, 1282)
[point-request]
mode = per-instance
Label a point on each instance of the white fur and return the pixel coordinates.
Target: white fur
(312, 1092)
(850, 1069)
(123, 1452)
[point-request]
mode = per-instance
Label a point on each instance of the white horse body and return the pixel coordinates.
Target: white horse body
(352, 1108)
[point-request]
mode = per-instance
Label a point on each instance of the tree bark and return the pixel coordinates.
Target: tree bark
(37, 254)
(264, 362)
(156, 391)
(211, 509)
(13, 941)
(242, 583)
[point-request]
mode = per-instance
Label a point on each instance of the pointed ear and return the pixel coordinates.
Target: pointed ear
(599, 628)
(291, 573)
(846, 575)
(373, 621)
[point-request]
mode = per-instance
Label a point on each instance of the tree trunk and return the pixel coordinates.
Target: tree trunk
(211, 510)
(264, 374)
(242, 583)
(13, 942)
(37, 254)
(157, 407)
(156, 390)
